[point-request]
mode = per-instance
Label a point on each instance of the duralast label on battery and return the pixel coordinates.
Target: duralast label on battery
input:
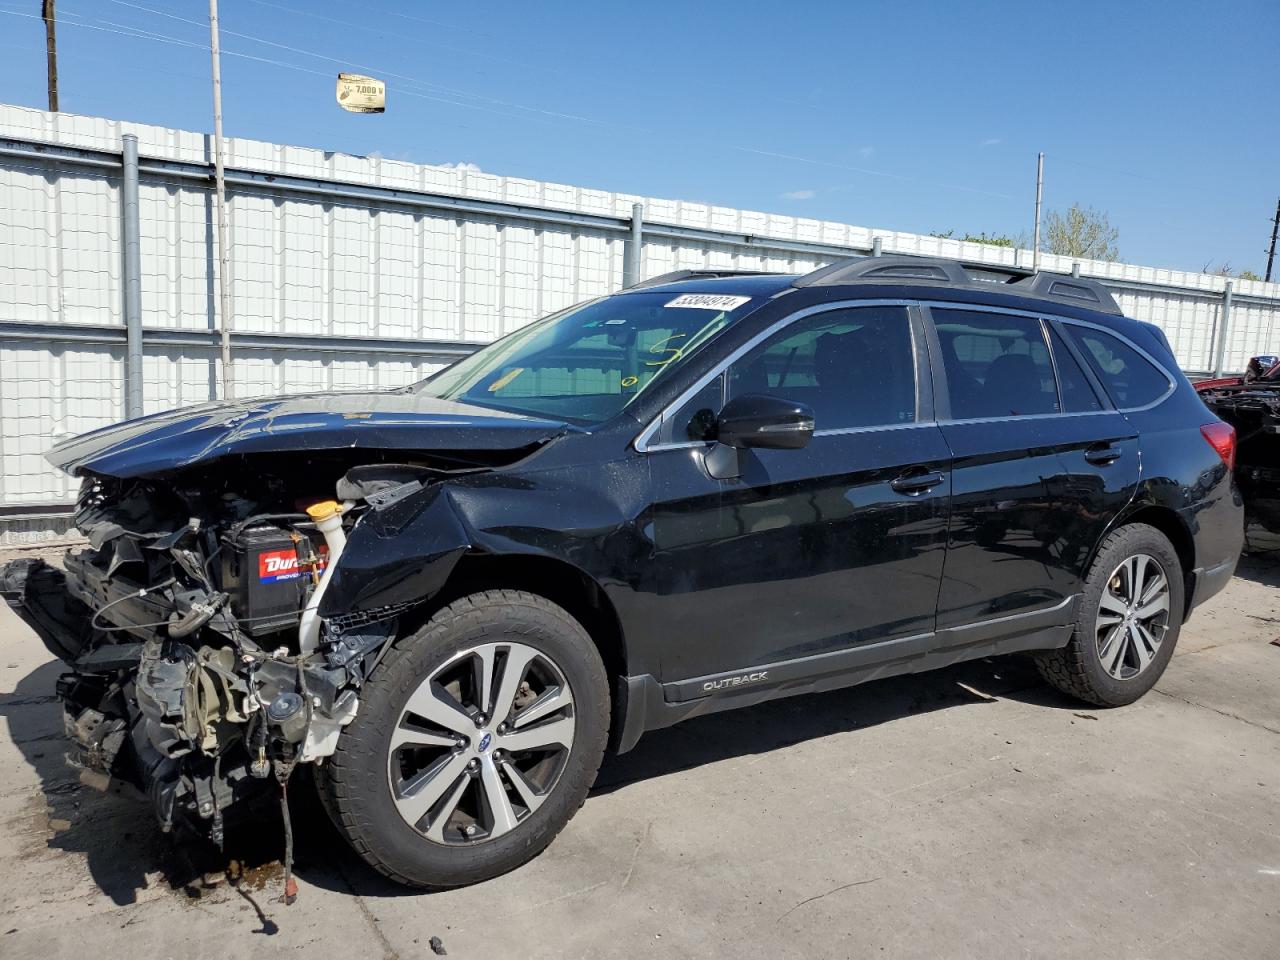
(276, 565)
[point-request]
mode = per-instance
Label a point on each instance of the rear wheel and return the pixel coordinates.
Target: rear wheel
(476, 741)
(1128, 621)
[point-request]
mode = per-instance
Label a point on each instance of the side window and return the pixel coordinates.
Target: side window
(1130, 378)
(1078, 395)
(854, 367)
(997, 364)
(696, 418)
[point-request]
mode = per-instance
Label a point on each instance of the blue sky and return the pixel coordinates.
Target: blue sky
(897, 115)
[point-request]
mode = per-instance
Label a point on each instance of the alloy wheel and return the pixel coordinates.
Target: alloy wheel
(1133, 616)
(481, 743)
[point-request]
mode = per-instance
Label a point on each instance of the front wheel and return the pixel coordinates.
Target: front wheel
(1127, 623)
(476, 741)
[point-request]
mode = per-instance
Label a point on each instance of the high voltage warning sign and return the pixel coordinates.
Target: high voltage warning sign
(361, 94)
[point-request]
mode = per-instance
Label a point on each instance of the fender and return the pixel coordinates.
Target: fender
(400, 554)
(407, 551)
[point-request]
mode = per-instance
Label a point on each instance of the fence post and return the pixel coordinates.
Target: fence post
(633, 253)
(877, 246)
(132, 279)
(1223, 330)
(1075, 268)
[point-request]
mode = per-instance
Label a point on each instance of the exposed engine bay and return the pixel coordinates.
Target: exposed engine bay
(1253, 408)
(202, 670)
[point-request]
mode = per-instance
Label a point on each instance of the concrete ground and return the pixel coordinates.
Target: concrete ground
(966, 813)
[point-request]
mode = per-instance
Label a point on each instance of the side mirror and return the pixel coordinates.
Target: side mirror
(759, 420)
(1258, 366)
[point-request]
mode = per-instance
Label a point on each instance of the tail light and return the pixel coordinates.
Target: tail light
(1222, 437)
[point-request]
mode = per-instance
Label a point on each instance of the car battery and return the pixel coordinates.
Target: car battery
(268, 576)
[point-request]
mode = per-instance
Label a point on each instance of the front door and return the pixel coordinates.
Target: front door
(811, 551)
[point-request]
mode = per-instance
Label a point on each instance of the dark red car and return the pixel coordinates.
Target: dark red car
(1251, 404)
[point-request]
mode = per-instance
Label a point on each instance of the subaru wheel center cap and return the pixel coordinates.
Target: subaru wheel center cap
(486, 738)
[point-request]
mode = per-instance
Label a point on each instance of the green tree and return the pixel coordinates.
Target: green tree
(1081, 233)
(1248, 275)
(994, 240)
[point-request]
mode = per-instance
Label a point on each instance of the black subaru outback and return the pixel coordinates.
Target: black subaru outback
(703, 492)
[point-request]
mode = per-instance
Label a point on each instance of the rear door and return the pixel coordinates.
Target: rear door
(1042, 463)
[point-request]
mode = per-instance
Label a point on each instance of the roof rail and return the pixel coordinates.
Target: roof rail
(886, 268)
(710, 274)
(1076, 290)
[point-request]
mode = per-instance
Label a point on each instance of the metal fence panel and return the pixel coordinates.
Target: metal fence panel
(351, 272)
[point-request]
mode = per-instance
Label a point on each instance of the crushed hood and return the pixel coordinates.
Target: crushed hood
(385, 420)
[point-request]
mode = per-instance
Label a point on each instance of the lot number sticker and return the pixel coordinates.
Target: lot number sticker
(707, 301)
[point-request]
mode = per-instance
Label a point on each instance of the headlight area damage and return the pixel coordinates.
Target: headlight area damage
(223, 617)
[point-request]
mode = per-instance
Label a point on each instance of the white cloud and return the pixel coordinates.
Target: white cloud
(799, 195)
(992, 142)
(865, 152)
(463, 166)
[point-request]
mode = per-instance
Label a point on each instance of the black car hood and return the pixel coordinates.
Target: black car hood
(384, 420)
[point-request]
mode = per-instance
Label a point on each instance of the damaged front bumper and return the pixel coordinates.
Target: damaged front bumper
(195, 726)
(178, 683)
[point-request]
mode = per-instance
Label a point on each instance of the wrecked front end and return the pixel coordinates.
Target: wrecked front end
(1254, 410)
(205, 661)
(201, 670)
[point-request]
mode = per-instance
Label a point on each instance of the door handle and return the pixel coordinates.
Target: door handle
(913, 483)
(1102, 454)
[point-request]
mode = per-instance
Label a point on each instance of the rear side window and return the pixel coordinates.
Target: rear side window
(1130, 378)
(997, 364)
(1078, 395)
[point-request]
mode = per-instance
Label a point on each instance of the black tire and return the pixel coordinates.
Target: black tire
(359, 795)
(1077, 669)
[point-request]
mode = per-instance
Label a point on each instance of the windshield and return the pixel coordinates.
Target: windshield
(588, 362)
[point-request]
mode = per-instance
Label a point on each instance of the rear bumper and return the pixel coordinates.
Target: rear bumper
(1207, 581)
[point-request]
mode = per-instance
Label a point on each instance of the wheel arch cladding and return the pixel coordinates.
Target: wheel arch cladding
(1167, 521)
(559, 581)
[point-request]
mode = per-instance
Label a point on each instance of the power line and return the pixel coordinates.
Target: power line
(559, 115)
(523, 64)
(112, 27)
(108, 26)
(369, 67)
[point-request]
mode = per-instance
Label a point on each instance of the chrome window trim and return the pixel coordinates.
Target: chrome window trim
(840, 431)
(1026, 416)
(642, 442)
(1173, 383)
(1043, 315)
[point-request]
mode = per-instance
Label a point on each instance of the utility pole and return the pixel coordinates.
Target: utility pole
(220, 185)
(51, 51)
(1035, 241)
(1271, 255)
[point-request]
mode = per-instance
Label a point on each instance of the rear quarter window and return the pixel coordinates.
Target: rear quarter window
(1130, 378)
